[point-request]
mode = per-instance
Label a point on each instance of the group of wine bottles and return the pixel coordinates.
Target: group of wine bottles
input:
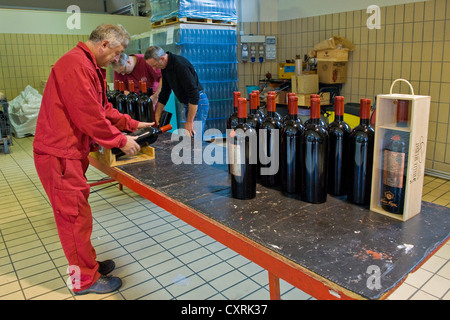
(138, 106)
(314, 159)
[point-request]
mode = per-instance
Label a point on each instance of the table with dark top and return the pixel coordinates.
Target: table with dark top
(334, 250)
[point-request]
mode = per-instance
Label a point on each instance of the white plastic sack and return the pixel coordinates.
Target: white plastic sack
(23, 112)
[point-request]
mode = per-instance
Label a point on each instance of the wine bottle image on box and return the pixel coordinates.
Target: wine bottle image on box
(314, 149)
(360, 160)
(338, 132)
(395, 160)
(242, 153)
(290, 155)
(146, 136)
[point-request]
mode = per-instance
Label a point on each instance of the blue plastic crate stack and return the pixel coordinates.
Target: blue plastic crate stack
(211, 48)
(223, 10)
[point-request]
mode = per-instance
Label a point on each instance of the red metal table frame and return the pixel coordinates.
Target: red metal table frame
(276, 265)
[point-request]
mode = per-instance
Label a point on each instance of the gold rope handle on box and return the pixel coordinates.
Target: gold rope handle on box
(395, 81)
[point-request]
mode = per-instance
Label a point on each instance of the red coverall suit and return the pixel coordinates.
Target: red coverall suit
(74, 116)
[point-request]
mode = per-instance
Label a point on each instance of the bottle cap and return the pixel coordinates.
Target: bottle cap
(364, 112)
(339, 105)
(253, 100)
(131, 85)
(242, 108)
(315, 108)
(292, 104)
(402, 110)
(236, 96)
(271, 103)
(143, 86)
(258, 102)
(165, 128)
(314, 96)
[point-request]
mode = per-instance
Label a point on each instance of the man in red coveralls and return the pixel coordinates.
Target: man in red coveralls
(74, 117)
(133, 67)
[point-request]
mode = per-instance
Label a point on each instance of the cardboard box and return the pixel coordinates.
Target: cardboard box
(304, 100)
(305, 83)
(415, 134)
(107, 157)
(340, 54)
(332, 71)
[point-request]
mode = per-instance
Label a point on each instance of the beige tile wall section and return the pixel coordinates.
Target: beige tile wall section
(26, 59)
(413, 43)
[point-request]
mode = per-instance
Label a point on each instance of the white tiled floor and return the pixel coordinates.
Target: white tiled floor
(157, 255)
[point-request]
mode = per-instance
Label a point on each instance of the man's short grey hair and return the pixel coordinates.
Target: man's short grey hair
(122, 61)
(115, 34)
(154, 52)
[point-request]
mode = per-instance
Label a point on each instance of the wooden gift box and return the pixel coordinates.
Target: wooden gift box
(417, 130)
(107, 157)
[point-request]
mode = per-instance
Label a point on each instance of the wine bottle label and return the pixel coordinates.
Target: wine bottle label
(235, 159)
(394, 167)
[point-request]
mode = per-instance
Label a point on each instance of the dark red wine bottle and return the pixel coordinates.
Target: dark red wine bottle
(144, 105)
(338, 133)
(121, 99)
(254, 120)
(360, 158)
(290, 155)
(314, 149)
(258, 105)
(132, 101)
(114, 93)
(232, 120)
(395, 161)
(146, 136)
(269, 137)
(275, 114)
(322, 123)
(242, 150)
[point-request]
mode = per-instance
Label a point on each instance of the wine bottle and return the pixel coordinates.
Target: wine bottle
(395, 160)
(258, 105)
(243, 167)
(255, 121)
(114, 93)
(290, 155)
(233, 119)
(146, 136)
(360, 159)
(144, 104)
(132, 101)
(322, 123)
(121, 99)
(314, 150)
(338, 132)
(269, 138)
(275, 114)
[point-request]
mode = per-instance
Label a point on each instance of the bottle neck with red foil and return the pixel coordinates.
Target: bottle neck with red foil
(236, 96)
(293, 106)
(315, 111)
(364, 112)
(242, 110)
(338, 108)
(271, 106)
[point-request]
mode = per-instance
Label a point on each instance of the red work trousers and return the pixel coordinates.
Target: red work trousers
(65, 183)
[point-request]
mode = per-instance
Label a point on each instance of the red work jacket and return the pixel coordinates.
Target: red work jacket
(75, 113)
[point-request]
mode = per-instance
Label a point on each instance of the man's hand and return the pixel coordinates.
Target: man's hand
(189, 126)
(145, 124)
(131, 148)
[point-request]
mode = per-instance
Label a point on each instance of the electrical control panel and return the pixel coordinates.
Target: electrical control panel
(271, 48)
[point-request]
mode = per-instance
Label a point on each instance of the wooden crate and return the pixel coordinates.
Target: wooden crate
(417, 130)
(107, 157)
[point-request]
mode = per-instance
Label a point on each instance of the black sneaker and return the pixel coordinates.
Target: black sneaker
(105, 267)
(103, 285)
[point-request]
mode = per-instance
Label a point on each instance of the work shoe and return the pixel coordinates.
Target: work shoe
(104, 284)
(105, 267)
